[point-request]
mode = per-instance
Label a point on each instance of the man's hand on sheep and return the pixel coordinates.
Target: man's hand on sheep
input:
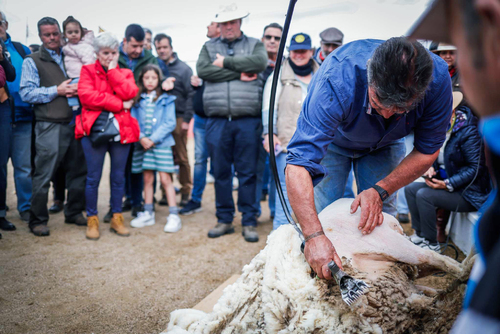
(371, 210)
(319, 251)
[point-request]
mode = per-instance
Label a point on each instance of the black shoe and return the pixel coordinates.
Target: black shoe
(127, 205)
(56, 207)
(78, 220)
(184, 200)
(108, 216)
(40, 230)
(135, 210)
(25, 216)
(250, 234)
(190, 208)
(163, 201)
(6, 225)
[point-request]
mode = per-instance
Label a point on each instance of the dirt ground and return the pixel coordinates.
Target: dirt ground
(67, 284)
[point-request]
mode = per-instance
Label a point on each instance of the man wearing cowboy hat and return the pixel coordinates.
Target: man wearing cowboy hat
(229, 65)
(448, 53)
(473, 27)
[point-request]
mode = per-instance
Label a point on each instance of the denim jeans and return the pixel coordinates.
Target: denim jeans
(402, 204)
(134, 183)
(20, 154)
(369, 168)
(268, 183)
(5, 140)
(349, 192)
(95, 161)
(235, 141)
(279, 217)
(200, 158)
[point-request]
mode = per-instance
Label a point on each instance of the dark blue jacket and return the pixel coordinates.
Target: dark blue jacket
(464, 157)
(23, 110)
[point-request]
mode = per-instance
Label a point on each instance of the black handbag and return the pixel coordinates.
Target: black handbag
(103, 130)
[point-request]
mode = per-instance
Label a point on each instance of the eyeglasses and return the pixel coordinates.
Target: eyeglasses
(269, 37)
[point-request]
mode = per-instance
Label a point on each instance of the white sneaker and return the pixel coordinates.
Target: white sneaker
(427, 245)
(174, 224)
(143, 219)
(416, 239)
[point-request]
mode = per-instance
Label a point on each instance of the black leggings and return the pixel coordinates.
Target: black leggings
(423, 202)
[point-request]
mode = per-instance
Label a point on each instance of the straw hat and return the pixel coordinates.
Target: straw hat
(444, 47)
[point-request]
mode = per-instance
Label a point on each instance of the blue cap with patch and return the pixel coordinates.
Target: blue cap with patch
(300, 41)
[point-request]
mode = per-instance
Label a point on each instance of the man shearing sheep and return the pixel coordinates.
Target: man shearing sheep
(366, 97)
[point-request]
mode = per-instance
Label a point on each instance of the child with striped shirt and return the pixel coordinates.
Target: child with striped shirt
(155, 111)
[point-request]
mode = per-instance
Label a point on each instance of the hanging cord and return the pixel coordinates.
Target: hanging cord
(272, 155)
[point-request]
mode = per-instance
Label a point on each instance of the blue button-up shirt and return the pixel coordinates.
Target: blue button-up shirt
(337, 110)
(30, 90)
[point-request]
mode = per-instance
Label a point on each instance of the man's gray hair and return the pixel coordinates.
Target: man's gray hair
(4, 18)
(47, 21)
(105, 40)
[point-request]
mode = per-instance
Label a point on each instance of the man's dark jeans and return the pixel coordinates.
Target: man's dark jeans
(95, 161)
(235, 142)
(56, 145)
(134, 183)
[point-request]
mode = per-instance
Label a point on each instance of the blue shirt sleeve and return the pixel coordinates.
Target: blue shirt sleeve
(30, 90)
(322, 112)
(430, 130)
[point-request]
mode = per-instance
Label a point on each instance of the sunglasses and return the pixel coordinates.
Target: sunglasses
(269, 37)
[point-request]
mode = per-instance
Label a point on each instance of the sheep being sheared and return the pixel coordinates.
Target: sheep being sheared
(277, 293)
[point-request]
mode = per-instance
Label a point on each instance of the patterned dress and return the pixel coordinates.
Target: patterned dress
(157, 159)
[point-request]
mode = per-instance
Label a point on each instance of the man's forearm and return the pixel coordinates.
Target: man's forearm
(213, 73)
(411, 168)
(301, 195)
(254, 63)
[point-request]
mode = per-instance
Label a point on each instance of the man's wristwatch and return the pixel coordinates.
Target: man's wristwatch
(382, 192)
(449, 187)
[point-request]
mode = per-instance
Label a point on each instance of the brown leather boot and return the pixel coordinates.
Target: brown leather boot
(92, 228)
(442, 216)
(117, 225)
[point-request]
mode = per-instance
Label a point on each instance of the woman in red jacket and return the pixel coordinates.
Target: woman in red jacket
(105, 125)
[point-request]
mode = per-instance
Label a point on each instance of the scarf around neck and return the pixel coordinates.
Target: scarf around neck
(303, 70)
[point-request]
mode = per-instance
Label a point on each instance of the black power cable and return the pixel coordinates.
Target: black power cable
(272, 155)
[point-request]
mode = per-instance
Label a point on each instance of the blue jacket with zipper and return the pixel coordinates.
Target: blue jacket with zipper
(163, 123)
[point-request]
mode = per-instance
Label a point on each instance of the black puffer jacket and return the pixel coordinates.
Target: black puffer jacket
(463, 155)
